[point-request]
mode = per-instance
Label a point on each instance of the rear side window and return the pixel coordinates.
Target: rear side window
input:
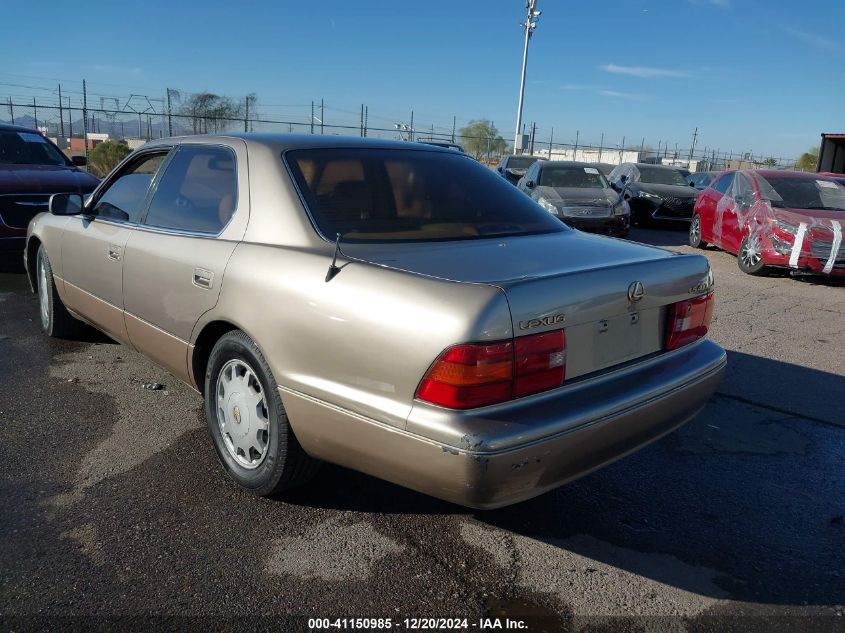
(724, 183)
(198, 191)
(411, 195)
(124, 198)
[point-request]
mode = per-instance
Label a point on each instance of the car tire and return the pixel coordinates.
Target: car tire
(695, 233)
(750, 256)
(56, 321)
(247, 420)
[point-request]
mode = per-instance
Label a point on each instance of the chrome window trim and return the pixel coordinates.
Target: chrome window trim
(142, 223)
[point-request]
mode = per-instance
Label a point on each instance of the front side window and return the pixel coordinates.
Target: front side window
(577, 177)
(198, 191)
(124, 198)
(381, 195)
(724, 183)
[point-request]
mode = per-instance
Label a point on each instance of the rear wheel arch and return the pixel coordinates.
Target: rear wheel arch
(208, 337)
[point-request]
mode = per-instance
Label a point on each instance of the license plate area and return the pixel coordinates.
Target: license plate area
(617, 339)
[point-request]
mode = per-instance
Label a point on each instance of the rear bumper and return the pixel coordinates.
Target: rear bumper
(488, 458)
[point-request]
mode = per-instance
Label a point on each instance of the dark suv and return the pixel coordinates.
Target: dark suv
(31, 169)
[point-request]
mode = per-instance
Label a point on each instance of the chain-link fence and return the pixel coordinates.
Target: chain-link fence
(77, 128)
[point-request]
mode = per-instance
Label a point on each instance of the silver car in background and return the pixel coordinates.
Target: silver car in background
(578, 194)
(391, 307)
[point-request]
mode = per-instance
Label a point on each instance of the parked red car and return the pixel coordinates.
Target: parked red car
(772, 219)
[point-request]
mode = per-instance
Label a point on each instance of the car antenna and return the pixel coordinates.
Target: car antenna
(334, 269)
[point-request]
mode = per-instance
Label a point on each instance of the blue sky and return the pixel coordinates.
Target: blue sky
(752, 75)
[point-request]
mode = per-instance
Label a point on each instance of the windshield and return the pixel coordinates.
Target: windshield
(658, 176)
(803, 193)
(28, 148)
(577, 177)
(521, 162)
(393, 195)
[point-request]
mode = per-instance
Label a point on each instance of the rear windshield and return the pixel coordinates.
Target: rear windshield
(803, 193)
(521, 162)
(579, 177)
(389, 195)
(658, 176)
(28, 148)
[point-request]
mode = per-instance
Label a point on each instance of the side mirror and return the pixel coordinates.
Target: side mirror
(66, 204)
(691, 184)
(79, 161)
(530, 184)
(615, 187)
(499, 169)
(623, 179)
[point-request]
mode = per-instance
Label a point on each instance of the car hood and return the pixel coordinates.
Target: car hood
(579, 195)
(666, 191)
(45, 179)
(505, 259)
(809, 216)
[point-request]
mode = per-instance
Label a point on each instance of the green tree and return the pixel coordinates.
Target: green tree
(105, 157)
(481, 138)
(770, 162)
(808, 160)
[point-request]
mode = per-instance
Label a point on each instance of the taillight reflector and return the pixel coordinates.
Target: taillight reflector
(689, 320)
(480, 374)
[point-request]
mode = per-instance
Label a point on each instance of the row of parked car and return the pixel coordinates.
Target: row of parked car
(767, 218)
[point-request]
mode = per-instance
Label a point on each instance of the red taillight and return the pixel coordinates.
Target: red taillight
(540, 362)
(480, 374)
(689, 320)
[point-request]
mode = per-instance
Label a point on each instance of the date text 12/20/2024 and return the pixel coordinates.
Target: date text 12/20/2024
(417, 624)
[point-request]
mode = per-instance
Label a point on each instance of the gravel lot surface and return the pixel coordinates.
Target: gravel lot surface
(115, 513)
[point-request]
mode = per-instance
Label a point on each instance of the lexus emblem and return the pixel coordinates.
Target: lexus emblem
(636, 291)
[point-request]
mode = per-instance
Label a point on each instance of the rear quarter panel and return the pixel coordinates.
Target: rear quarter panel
(361, 341)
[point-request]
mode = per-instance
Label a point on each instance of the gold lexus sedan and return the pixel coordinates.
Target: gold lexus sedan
(391, 307)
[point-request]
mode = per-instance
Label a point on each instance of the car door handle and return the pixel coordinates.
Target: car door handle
(115, 252)
(203, 278)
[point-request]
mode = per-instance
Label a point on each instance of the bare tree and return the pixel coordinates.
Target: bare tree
(210, 112)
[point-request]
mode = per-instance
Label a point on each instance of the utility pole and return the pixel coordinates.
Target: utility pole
(622, 151)
(366, 116)
(454, 122)
(69, 119)
(85, 117)
(35, 112)
(575, 151)
(551, 137)
(529, 25)
(601, 147)
(246, 115)
(411, 132)
(169, 115)
(362, 120)
(11, 110)
(533, 134)
(312, 117)
(694, 138)
(322, 115)
(61, 115)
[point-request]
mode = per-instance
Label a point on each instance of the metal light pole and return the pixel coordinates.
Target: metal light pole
(529, 25)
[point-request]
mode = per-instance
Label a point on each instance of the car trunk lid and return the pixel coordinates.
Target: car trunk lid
(587, 284)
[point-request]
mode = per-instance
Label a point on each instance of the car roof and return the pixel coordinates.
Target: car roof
(568, 163)
(285, 142)
(8, 127)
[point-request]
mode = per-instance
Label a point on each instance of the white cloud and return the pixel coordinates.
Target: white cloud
(813, 39)
(643, 71)
(630, 96)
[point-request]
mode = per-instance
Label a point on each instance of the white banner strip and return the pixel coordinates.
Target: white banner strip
(834, 249)
(796, 247)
